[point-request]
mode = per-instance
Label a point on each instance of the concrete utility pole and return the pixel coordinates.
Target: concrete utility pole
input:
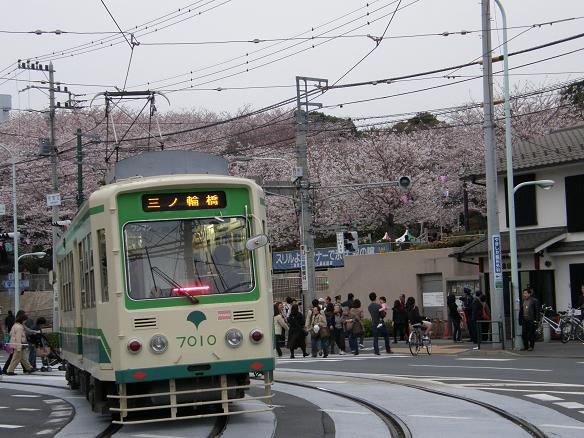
(80, 197)
(495, 266)
(306, 217)
(55, 208)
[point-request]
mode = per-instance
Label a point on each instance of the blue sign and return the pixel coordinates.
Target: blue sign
(9, 284)
(497, 265)
(323, 257)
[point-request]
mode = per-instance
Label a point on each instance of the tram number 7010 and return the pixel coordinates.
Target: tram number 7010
(193, 341)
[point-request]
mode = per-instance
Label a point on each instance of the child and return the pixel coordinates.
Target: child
(382, 311)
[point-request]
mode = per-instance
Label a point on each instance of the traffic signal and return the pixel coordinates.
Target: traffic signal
(404, 182)
(350, 242)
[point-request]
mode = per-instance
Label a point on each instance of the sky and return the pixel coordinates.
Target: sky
(253, 75)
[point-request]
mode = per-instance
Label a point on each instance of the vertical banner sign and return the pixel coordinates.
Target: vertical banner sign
(497, 265)
(303, 270)
(340, 243)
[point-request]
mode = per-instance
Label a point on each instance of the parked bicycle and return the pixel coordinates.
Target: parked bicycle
(418, 340)
(563, 328)
(572, 326)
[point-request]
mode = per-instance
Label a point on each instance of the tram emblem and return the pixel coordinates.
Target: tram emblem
(196, 317)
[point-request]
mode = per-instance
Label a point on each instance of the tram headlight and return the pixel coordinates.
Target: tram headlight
(234, 337)
(159, 344)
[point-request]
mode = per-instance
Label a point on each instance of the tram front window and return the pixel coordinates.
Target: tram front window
(187, 257)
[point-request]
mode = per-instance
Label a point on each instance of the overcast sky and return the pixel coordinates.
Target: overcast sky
(344, 22)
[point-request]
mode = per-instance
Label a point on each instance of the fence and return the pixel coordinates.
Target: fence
(292, 287)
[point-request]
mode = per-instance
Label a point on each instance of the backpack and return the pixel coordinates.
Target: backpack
(357, 329)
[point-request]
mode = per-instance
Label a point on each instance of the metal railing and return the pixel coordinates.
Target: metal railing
(484, 331)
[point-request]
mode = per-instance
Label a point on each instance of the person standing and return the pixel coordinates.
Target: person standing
(18, 343)
(296, 334)
(476, 315)
(527, 320)
(454, 318)
(338, 332)
(348, 305)
(355, 326)
(318, 333)
(280, 327)
(581, 303)
(377, 329)
(467, 301)
(400, 320)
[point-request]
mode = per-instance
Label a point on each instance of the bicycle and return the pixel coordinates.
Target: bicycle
(417, 340)
(563, 328)
(573, 327)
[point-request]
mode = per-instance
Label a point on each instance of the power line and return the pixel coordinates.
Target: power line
(117, 25)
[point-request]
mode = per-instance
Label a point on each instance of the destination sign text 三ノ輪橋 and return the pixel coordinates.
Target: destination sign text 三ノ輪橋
(184, 201)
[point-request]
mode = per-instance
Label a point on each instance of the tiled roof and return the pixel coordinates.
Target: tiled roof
(527, 241)
(562, 146)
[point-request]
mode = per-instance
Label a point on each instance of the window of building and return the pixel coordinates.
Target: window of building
(574, 205)
(525, 202)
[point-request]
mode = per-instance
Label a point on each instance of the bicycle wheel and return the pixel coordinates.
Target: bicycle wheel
(580, 332)
(414, 343)
(566, 331)
(428, 343)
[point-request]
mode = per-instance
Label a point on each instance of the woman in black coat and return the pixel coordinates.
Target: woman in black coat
(296, 335)
(454, 318)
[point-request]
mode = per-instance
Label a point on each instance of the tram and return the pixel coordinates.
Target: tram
(165, 291)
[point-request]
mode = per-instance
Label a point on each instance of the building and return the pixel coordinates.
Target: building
(550, 223)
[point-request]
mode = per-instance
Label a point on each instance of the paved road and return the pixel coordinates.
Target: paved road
(24, 413)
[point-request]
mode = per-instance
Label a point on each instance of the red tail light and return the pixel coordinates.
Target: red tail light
(134, 346)
(256, 336)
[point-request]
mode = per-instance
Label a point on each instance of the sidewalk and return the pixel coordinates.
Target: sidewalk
(552, 349)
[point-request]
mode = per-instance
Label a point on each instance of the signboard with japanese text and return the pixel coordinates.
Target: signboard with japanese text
(323, 257)
(433, 299)
(53, 199)
(303, 269)
(497, 264)
(183, 201)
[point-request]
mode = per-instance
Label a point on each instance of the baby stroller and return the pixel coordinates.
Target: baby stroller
(49, 357)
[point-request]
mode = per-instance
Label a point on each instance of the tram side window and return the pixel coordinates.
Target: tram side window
(86, 273)
(102, 257)
(66, 269)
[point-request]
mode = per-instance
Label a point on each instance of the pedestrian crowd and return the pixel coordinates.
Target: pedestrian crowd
(23, 338)
(331, 326)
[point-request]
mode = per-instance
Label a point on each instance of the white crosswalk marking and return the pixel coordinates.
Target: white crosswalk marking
(25, 395)
(45, 432)
(570, 405)
(9, 426)
(543, 397)
(27, 409)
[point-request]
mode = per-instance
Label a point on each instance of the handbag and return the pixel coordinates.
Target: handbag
(357, 329)
(325, 332)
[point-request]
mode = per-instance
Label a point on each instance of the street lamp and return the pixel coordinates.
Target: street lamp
(15, 228)
(545, 184)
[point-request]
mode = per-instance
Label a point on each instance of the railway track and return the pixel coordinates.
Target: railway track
(397, 427)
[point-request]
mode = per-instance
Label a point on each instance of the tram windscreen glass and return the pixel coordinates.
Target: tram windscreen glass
(183, 201)
(187, 256)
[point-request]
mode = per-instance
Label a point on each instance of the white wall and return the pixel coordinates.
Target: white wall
(551, 204)
(562, 279)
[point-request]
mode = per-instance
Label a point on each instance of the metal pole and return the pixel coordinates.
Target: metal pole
(495, 266)
(517, 340)
(79, 169)
(55, 209)
(15, 227)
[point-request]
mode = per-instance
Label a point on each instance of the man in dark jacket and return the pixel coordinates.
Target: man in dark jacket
(467, 308)
(9, 321)
(527, 319)
(476, 315)
(377, 328)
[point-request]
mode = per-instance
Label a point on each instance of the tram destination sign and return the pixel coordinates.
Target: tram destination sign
(183, 201)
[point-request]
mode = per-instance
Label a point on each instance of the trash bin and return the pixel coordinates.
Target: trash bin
(547, 332)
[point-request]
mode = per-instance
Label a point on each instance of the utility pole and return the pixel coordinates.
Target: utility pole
(80, 198)
(303, 183)
(55, 208)
(495, 265)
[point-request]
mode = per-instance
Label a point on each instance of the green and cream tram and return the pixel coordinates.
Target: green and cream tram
(165, 291)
